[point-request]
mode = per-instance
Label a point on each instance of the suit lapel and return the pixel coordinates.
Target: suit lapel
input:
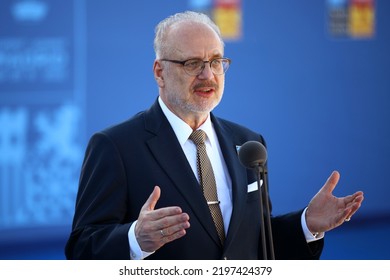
(167, 150)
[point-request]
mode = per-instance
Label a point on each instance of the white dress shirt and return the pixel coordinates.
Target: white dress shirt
(222, 178)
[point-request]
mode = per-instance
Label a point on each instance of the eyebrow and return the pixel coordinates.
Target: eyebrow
(201, 58)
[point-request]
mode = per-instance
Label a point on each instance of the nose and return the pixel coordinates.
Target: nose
(206, 73)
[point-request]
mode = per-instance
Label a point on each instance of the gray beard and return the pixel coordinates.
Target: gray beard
(204, 107)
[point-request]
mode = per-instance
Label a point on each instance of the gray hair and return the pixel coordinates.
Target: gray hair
(161, 30)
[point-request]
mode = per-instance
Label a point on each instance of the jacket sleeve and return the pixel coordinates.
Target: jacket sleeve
(100, 225)
(289, 239)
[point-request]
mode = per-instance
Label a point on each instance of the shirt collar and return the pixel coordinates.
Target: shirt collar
(182, 129)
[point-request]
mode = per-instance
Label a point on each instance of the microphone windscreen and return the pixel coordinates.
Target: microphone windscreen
(252, 154)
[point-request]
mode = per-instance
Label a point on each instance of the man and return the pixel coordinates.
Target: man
(140, 193)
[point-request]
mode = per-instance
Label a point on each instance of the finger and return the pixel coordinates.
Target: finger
(150, 204)
(356, 197)
(177, 228)
(359, 197)
(354, 206)
(175, 232)
(331, 183)
(168, 223)
(174, 236)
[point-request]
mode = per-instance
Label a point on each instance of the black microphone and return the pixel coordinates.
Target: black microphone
(253, 155)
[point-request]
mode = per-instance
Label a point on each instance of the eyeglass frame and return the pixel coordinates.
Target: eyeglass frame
(183, 62)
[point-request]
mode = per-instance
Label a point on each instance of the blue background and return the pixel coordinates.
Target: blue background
(322, 103)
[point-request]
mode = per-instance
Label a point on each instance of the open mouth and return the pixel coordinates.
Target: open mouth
(204, 91)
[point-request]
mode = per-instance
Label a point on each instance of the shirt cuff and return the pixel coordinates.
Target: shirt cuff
(136, 252)
(310, 237)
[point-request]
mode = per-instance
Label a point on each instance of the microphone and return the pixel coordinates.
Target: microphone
(253, 155)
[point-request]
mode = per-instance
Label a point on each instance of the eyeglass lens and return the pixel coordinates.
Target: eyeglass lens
(195, 66)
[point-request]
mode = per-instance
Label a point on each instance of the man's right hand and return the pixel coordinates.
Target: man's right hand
(155, 228)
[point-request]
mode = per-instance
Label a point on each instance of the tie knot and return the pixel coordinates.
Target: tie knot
(198, 136)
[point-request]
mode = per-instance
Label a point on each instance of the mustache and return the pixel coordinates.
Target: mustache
(206, 84)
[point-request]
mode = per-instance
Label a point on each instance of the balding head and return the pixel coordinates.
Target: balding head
(173, 23)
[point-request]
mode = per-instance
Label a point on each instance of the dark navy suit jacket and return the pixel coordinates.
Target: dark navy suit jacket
(123, 164)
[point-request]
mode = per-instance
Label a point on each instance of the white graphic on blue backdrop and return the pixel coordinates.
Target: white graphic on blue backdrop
(40, 157)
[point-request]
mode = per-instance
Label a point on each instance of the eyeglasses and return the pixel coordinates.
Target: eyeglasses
(194, 66)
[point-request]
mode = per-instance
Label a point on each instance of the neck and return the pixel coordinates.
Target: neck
(193, 119)
(195, 123)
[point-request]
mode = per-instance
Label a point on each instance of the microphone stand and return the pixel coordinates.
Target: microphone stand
(264, 207)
